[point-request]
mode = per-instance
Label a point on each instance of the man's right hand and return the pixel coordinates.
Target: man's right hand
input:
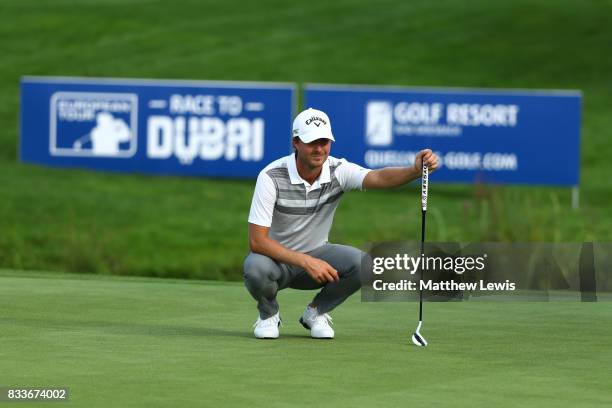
(320, 270)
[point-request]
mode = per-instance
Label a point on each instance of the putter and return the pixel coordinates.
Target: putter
(417, 338)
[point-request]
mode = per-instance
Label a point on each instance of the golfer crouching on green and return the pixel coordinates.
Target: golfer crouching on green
(291, 214)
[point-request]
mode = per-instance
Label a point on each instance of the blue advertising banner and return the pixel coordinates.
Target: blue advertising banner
(223, 129)
(505, 136)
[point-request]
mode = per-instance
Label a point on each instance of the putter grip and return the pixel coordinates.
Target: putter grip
(424, 187)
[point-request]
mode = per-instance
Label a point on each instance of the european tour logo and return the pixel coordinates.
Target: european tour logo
(93, 124)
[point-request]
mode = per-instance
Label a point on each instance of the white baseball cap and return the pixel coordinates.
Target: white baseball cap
(312, 124)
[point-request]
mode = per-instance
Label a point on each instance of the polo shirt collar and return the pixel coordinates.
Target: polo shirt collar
(295, 177)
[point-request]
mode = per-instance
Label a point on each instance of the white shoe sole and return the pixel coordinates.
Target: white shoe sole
(266, 338)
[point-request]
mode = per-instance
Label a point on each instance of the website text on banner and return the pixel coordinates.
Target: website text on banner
(224, 129)
(514, 137)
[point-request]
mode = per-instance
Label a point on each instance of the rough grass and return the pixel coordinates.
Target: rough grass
(105, 223)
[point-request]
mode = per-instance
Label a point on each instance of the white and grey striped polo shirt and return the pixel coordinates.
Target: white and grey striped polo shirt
(300, 215)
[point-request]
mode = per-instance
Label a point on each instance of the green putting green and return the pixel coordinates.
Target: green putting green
(131, 342)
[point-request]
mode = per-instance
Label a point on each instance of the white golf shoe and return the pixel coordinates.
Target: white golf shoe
(318, 324)
(267, 328)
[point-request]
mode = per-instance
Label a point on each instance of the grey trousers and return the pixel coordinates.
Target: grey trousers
(264, 277)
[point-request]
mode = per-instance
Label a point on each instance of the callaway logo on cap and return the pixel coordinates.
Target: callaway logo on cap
(312, 124)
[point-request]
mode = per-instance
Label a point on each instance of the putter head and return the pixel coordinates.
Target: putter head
(417, 339)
